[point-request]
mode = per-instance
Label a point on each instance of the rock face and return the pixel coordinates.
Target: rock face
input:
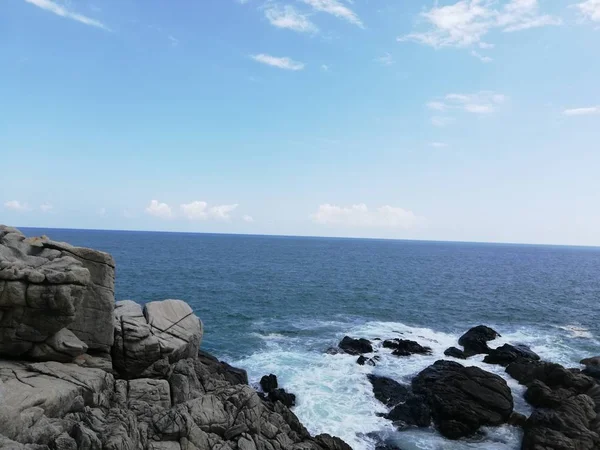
(388, 391)
(49, 288)
(455, 353)
(475, 340)
(462, 399)
(355, 346)
(167, 330)
(567, 403)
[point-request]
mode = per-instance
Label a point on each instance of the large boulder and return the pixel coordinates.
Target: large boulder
(47, 287)
(475, 340)
(463, 399)
(163, 330)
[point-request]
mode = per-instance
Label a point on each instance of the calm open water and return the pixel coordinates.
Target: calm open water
(274, 304)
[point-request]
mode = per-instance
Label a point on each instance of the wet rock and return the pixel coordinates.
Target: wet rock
(591, 362)
(475, 340)
(415, 411)
(388, 391)
(280, 395)
(517, 420)
(221, 369)
(508, 353)
(404, 347)
(463, 399)
(455, 353)
(329, 442)
(268, 383)
(355, 346)
(362, 360)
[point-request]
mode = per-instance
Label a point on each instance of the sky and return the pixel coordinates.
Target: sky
(470, 120)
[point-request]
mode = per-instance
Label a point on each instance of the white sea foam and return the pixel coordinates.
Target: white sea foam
(578, 331)
(335, 396)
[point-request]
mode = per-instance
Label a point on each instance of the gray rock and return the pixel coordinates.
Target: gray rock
(165, 330)
(46, 286)
(178, 329)
(63, 346)
(153, 392)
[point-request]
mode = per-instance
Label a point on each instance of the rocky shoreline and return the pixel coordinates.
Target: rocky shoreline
(81, 371)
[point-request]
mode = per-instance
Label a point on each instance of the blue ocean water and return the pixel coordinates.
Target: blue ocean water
(274, 304)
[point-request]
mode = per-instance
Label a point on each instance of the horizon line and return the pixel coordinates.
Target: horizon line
(318, 237)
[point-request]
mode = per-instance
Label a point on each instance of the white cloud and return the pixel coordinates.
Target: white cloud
(438, 144)
(361, 216)
(480, 57)
(324, 67)
(60, 10)
(248, 218)
(46, 207)
(385, 60)
(174, 41)
(582, 111)
(281, 63)
(157, 209)
(289, 17)
(16, 205)
(590, 9)
(441, 121)
(466, 22)
(199, 210)
(337, 9)
(437, 106)
(483, 102)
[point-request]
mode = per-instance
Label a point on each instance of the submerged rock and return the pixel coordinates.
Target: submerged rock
(508, 353)
(475, 340)
(404, 347)
(355, 346)
(362, 360)
(463, 399)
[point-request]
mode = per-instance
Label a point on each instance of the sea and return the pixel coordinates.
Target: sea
(274, 304)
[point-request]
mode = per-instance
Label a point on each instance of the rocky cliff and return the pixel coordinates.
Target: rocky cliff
(81, 372)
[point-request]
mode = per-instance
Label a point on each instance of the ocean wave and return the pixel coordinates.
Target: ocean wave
(335, 396)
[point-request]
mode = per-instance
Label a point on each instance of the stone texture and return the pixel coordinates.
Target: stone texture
(47, 286)
(165, 332)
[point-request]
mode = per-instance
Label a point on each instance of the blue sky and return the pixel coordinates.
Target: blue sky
(469, 120)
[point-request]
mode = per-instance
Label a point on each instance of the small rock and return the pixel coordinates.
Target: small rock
(517, 420)
(475, 340)
(284, 397)
(268, 383)
(455, 353)
(404, 347)
(362, 360)
(591, 362)
(355, 346)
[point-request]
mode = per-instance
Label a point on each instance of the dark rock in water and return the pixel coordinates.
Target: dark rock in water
(329, 442)
(362, 360)
(414, 411)
(553, 375)
(388, 391)
(591, 362)
(508, 353)
(475, 340)
(268, 383)
(404, 347)
(592, 371)
(455, 353)
(462, 399)
(334, 351)
(573, 425)
(517, 420)
(355, 346)
(280, 395)
(567, 402)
